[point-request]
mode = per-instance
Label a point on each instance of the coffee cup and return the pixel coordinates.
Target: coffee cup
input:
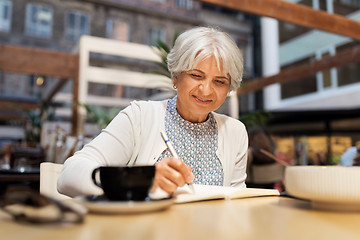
(125, 183)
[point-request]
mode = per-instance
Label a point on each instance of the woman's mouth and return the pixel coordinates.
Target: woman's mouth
(202, 100)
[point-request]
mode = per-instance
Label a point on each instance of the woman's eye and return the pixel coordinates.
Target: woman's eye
(220, 82)
(195, 75)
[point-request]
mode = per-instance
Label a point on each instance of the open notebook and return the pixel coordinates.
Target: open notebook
(209, 192)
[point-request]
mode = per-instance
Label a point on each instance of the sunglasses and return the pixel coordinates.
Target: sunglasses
(32, 207)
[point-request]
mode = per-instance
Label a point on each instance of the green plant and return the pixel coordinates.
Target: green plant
(35, 119)
(162, 49)
(255, 120)
(335, 160)
(101, 115)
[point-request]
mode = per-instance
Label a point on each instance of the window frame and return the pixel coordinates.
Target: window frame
(38, 29)
(149, 36)
(158, 1)
(110, 29)
(5, 23)
(186, 4)
(74, 34)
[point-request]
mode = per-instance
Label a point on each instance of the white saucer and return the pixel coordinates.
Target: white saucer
(124, 207)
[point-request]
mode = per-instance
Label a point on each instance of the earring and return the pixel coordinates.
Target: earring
(175, 87)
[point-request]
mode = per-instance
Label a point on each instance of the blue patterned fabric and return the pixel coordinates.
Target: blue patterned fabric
(196, 145)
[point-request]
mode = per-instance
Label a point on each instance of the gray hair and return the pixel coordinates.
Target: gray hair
(198, 43)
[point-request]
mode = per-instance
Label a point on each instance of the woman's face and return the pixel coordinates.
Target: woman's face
(201, 90)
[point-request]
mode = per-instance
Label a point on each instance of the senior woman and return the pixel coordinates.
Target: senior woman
(205, 65)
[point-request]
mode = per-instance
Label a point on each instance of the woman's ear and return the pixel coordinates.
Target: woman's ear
(175, 81)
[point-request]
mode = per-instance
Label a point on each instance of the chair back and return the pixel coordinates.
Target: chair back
(49, 174)
(266, 173)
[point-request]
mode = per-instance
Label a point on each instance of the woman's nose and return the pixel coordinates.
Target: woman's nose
(206, 87)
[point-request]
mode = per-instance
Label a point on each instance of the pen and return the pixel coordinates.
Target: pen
(173, 153)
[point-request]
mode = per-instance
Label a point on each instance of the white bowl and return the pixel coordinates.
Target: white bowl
(327, 187)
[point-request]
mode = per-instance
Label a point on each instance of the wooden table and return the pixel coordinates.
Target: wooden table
(253, 218)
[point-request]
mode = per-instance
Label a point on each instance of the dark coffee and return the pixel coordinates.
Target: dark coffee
(125, 183)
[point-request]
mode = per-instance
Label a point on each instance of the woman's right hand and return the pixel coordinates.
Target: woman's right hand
(172, 173)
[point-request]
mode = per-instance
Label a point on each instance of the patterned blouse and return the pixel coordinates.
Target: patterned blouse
(196, 144)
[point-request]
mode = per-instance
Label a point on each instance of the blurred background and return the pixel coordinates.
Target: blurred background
(67, 67)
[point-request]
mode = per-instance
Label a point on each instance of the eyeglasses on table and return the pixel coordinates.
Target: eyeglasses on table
(32, 207)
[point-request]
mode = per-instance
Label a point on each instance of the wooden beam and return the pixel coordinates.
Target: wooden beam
(13, 104)
(75, 102)
(40, 62)
(37, 61)
(295, 13)
(56, 88)
(303, 70)
(11, 116)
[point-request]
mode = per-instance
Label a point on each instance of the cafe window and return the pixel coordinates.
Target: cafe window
(155, 34)
(118, 30)
(14, 85)
(2, 84)
(5, 15)
(39, 19)
(299, 86)
(187, 4)
(326, 79)
(345, 7)
(348, 73)
(76, 24)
